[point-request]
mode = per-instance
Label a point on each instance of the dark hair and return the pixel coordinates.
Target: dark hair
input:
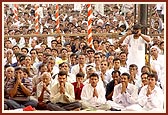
(80, 74)
(94, 75)
(133, 65)
(18, 68)
(152, 75)
(60, 65)
(41, 65)
(126, 74)
(54, 50)
(144, 74)
(61, 73)
(116, 71)
(116, 59)
(64, 49)
(25, 49)
(73, 54)
(26, 71)
(145, 66)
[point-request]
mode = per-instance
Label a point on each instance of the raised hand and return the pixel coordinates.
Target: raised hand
(149, 91)
(62, 88)
(95, 93)
(123, 90)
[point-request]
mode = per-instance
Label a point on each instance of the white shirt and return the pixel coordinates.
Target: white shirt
(128, 98)
(155, 100)
(75, 69)
(136, 51)
(87, 95)
(158, 65)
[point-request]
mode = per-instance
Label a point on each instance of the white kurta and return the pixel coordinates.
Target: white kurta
(153, 101)
(136, 51)
(87, 95)
(125, 101)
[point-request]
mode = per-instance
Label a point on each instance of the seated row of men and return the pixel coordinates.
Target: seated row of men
(119, 93)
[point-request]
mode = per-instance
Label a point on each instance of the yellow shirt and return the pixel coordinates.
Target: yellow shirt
(56, 96)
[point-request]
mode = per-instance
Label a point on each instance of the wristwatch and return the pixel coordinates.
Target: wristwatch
(21, 83)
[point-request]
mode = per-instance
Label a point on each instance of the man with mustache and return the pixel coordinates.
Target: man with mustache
(151, 96)
(62, 95)
(125, 95)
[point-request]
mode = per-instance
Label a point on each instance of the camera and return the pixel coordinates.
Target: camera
(135, 31)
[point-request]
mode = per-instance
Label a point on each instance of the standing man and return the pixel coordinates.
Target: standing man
(136, 46)
(62, 95)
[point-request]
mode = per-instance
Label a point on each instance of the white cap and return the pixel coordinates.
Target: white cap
(155, 47)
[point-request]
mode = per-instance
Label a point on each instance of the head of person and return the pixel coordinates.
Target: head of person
(125, 78)
(51, 61)
(90, 69)
(116, 75)
(94, 78)
(24, 50)
(123, 56)
(26, 73)
(46, 77)
(116, 63)
(42, 68)
(136, 28)
(152, 79)
(97, 57)
(79, 77)
(144, 78)
(65, 67)
(154, 50)
(81, 59)
(104, 65)
(62, 77)
(18, 72)
(145, 69)
(133, 69)
(90, 53)
(73, 58)
(28, 60)
(9, 73)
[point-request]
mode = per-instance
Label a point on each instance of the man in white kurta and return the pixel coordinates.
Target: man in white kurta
(151, 96)
(125, 95)
(93, 95)
(136, 46)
